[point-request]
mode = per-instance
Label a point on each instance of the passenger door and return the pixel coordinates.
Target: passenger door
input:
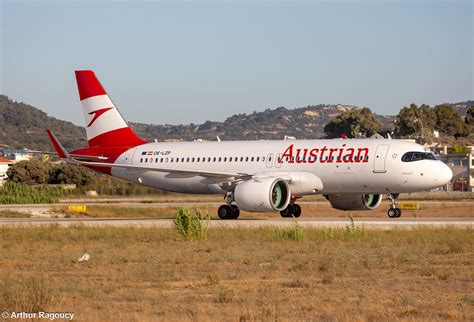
(379, 158)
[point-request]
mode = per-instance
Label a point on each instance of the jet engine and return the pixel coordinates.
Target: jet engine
(352, 201)
(262, 194)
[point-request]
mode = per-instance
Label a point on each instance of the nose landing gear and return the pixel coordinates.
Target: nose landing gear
(394, 212)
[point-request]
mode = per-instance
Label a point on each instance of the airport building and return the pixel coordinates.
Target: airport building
(16, 155)
(4, 165)
(462, 165)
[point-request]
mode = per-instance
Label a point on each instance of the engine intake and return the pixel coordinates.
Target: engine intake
(262, 194)
(352, 201)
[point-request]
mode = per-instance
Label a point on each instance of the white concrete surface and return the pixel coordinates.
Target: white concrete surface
(369, 223)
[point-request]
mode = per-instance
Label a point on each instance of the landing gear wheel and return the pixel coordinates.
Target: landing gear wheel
(292, 210)
(225, 212)
(235, 211)
(296, 210)
(393, 213)
(287, 212)
(399, 212)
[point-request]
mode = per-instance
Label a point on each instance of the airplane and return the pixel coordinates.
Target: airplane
(254, 176)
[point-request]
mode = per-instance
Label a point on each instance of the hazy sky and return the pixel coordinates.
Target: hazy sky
(190, 61)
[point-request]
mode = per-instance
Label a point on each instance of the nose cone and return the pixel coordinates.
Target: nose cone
(445, 174)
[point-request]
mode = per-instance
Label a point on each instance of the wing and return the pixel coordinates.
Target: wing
(76, 156)
(220, 176)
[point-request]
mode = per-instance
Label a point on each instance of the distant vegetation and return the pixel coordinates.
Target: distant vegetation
(23, 126)
(420, 121)
(35, 171)
(39, 172)
(353, 123)
(18, 193)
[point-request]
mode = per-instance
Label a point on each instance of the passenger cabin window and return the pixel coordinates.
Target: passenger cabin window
(417, 156)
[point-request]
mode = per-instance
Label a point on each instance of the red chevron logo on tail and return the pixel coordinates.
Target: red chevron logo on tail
(98, 113)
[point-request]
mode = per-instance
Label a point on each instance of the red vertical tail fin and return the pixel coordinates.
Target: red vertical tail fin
(105, 126)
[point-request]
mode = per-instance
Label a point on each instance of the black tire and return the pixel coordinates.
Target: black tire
(296, 210)
(235, 212)
(225, 212)
(393, 213)
(399, 212)
(287, 212)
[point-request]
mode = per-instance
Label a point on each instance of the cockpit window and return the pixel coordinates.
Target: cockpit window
(417, 156)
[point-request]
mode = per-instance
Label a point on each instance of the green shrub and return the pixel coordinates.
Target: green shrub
(294, 233)
(191, 225)
(353, 232)
(19, 193)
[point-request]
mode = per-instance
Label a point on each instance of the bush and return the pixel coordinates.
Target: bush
(191, 225)
(294, 233)
(30, 172)
(19, 193)
(353, 232)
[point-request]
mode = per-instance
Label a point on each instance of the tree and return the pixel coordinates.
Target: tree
(30, 172)
(66, 173)
(353, 122)
(415, 121)
(449, 122)
(470, 116)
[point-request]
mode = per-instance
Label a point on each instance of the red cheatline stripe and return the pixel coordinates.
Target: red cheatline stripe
(88, 84)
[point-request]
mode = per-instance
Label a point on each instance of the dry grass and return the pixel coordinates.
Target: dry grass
(309, 210)
(239, 274)
(14, 214)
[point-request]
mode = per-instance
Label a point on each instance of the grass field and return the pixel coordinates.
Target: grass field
(239, 274)
(320, 210)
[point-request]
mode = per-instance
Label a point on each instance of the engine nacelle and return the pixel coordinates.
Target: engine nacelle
(262, 194)
(352, 201)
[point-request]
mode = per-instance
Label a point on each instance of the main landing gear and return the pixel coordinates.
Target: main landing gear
(394, 212)
(292, 210)
(228, 211)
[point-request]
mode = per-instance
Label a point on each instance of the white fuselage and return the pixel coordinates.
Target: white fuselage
(343, 166)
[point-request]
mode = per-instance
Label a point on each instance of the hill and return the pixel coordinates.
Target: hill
(23, 125)
(303, 123)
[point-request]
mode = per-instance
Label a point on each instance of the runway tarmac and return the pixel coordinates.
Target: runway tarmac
(368, 223)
